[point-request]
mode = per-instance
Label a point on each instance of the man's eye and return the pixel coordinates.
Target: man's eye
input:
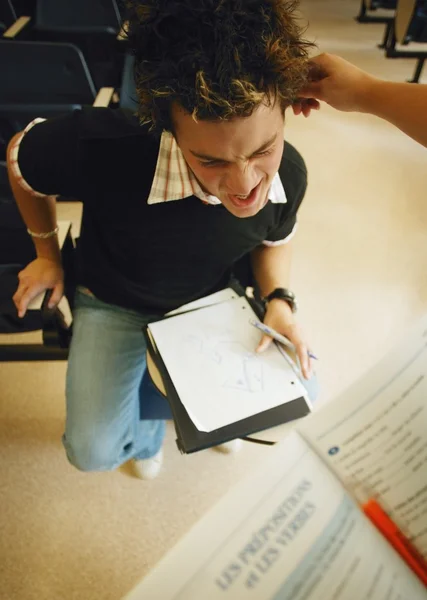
(265, 152)
(219, 163)
(210, 163)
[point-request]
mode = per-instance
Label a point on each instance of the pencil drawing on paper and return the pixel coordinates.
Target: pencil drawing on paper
(237, 368)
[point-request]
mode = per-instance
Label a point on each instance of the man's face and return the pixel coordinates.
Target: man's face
(235, 160)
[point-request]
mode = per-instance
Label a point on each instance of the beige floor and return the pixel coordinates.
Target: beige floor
(360, 273)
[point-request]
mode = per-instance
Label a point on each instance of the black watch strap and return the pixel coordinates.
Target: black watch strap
(282, 294)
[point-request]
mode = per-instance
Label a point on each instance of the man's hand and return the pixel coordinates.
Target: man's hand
(279, 316)
(336, 82)
(40, 275)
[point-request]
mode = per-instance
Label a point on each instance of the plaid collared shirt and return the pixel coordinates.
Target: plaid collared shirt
(174, 180)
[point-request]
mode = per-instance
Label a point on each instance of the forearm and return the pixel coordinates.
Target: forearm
(402, 104)
(347, 88)
(39, 215)
(272, 267)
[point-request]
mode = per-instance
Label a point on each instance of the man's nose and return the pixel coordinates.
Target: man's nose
(240, 180)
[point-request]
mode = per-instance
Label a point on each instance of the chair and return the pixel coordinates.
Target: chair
(7, 15)
(10, 24)
(56, 333)
(22, 7)
(91, 26)
(42, 79)
(410, 26)
(16, 251)
(366, 6)
(78, 16)
(128, 96)
(373, 5)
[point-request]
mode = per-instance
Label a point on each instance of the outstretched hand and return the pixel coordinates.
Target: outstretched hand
(335, 81)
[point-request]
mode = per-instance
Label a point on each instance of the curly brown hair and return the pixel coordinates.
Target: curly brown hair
(218, 59)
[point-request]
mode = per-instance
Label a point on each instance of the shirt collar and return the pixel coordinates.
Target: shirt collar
(174, 180)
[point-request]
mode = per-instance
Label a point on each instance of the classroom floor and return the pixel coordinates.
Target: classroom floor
(360, 273)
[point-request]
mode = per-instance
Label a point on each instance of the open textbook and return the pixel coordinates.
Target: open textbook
(296, 530)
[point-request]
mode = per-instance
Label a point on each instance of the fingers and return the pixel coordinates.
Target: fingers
(264, 343)
(304, 359)
(58, 292)
(302, 353)
(309, 105)
(40, 275)
(17, 299)
(297, 108)
(305, 106)
(24, 296)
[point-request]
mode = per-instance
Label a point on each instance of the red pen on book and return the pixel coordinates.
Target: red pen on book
(396, 538)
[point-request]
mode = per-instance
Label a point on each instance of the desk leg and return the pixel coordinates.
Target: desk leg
(418, 71)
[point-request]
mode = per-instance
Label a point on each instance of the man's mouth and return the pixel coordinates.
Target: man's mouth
(245, 201)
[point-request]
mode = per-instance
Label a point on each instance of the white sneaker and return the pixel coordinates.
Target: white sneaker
(230, 447)
(149, 468)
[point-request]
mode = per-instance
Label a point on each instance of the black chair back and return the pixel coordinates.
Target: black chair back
(22, 7)
(7, 14)
(78, 15)
(42, 79)
(92, 26)
(417, 31)
(387, 4)
(128, 96)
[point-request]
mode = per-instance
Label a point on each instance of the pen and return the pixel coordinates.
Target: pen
(377, 515)
(277, 336)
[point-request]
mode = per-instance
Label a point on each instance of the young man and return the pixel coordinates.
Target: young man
(172, 201)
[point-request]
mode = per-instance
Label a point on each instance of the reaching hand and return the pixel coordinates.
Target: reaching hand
(336, 82)
(40, 275)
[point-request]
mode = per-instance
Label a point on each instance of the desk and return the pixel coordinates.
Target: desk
(404, 13)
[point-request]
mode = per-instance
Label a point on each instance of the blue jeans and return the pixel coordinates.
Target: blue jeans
(105, 368)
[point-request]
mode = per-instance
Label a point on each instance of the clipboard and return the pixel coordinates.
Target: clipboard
(189, 439)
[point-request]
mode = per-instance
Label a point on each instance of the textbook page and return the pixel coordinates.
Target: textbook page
(374, 436)
(210, 355)
(288, 532)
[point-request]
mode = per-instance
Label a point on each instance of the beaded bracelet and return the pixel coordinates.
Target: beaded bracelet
(44, 236)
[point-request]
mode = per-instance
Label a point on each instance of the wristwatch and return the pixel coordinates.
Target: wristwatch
(282, 294)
